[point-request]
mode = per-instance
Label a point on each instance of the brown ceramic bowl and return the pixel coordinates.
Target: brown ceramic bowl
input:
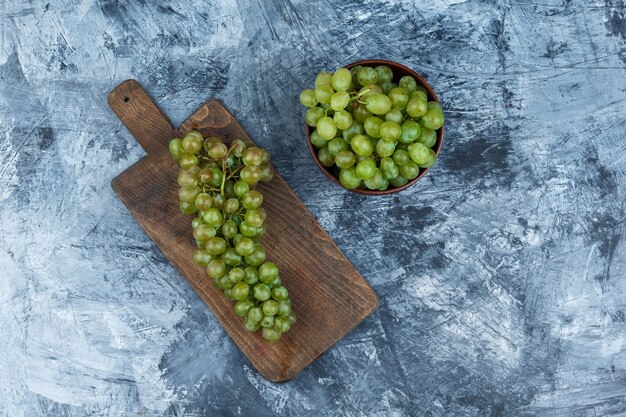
(399, 71)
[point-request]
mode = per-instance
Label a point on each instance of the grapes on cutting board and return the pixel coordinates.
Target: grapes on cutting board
(371, 128)
(217, 185)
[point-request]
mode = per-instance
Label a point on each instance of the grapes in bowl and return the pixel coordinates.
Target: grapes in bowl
(374, 127)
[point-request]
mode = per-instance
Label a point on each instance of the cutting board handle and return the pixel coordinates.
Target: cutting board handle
(141, 116)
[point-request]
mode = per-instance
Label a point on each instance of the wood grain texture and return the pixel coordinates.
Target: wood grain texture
(329, 295)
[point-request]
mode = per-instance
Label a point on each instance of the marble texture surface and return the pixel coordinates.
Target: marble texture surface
(501, 275)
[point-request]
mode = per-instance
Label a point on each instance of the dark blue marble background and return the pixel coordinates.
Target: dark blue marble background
(501, 275)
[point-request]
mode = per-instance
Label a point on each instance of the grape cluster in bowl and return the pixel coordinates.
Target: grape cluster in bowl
(376, 126)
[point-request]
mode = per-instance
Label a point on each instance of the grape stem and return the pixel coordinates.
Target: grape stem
(224, 169)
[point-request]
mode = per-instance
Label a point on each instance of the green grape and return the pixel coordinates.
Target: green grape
(307, 98)
(212, 217)
(433, 119)
(372, 126)
(323, 78)
(418, 153)
(244, 246)
(432, 158)
(339, 100)
(385, 147)
(323, 93)
(188, 194)
(205, 175)
(229, 229)
(389, 168)
(354, 70)
(231, 257)
(275, 284)
(434, 105)
(270, 335)
(407, 82)
(312, 115)
(214, 245)
(375, 181)
(345, 159)
(252, 277)
(355, 129)
(216, 268)
(399, 98)
(387, 87)
(367, 75)
(270, 308)
(369, 90)
(217, 151)
(197, 222)
(366, 168)
(247, 230)
(317, 140)
(281, 324)
(192, 142)
(268, 272)
(255, 314)
(238, 147)
(236, 275)
(326, 128)
(188, 178)
(250, 325)
(361, 113)
(343, 120)
(409, 170)
(378, 103)
(384, 73)
(203, 232)
(284, 310)
(187, 208)
(242, 308)
(252, 156)
(218, 201)
(267, 321)
(361, 145)
(176, 148)
(216, 177)
(337, 145)
(421, 94)
(257, 257)
(267, 172)
(416, 107)
(229, 189)
(201, 257)
(411, 131)
(427, 137)
(250, 174)
(341, 79)
(394, 115)
(186, 161)
(280, 293)
(384, 185)
(241, 291)
(325, 157)
(390, 131)
(253, 218)
(401, 157)
(261, 292)
(398, 181)
(231, 205)
(252, 200)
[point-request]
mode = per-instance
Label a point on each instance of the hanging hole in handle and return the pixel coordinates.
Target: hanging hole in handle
(126, 99)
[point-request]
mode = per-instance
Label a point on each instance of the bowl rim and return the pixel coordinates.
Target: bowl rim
(438, 143)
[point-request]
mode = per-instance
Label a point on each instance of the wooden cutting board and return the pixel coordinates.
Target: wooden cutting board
(329, 296)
